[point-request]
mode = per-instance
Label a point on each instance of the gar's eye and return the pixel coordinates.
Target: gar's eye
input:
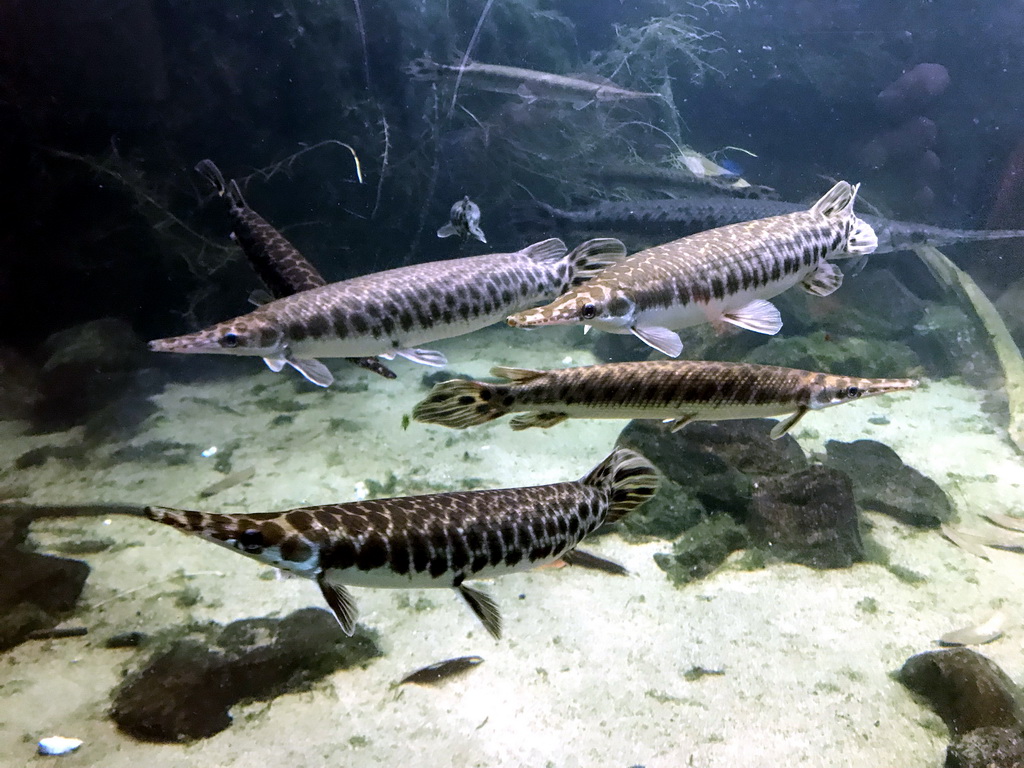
(588, 312)
(229, 340)
(852, 392)
(251, 541)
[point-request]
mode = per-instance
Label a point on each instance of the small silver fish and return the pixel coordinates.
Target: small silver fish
(676, 391)
(464, 221)
(721, 275)
(435, 540)
(529, 84)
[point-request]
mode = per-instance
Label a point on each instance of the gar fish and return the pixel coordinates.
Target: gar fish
(436, 540)
(660, 177)
(464, 220)
(529, 84)
(278, 263)
(392, 312)
(725, 274)
(676, 391)
(689, 215)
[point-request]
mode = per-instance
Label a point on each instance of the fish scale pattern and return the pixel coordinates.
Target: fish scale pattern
(670, 384)
(740, 257)
(455, 535)
(277, 262)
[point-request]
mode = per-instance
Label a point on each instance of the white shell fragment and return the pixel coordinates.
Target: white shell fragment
(58, 745)
(985, 632)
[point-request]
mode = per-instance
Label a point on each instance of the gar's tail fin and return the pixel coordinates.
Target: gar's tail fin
(630, 478)
(587, 259)
(209, 171)
(862, 239)
(459, 403)
(529, 219)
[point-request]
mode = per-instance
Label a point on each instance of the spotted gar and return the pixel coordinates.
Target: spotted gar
(279, 264)
(676, 391)
(391, 313)
(530, 84)
(719, 275)
(689, 215)
(436, 540)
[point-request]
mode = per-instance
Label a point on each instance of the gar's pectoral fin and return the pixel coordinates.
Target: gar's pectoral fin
(662, 339)
(543, 420)
(784, 425)
(448, 230)
(276, 364)
(680, 422)
(759, 316)
(340, 601)
(484, 607)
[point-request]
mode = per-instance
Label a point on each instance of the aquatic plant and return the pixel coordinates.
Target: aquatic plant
(664, 41)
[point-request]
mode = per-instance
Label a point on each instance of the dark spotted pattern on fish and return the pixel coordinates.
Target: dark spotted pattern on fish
(436, 540)
(655, 389)
(391, 310)
(719, 263)
(279, 264)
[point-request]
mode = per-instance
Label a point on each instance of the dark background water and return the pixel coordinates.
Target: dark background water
(106, 105)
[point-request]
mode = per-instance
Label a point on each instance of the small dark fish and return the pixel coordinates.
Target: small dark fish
(464, 221)
(433, 674)
(57, 633)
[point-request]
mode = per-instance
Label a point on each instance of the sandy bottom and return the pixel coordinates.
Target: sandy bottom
(592, 668)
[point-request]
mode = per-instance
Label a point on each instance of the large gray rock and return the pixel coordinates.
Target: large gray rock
(883, 483)
(808, 517)
(978, 702)
(85, 368)
(185, 691)
(715, 461)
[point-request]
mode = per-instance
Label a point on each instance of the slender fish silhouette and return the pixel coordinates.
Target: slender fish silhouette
(436, 540)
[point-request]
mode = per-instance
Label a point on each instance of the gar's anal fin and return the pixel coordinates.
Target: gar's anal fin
(484, 607)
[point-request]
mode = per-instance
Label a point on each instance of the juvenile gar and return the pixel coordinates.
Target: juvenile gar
(725, 274)
(391, 313)
(278, 263)
(437, 540)
(530, 84)
(676, 391)
(690, 215)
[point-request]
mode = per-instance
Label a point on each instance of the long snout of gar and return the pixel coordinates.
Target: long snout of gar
(546, 315)
(192, 343)
(871, 387)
